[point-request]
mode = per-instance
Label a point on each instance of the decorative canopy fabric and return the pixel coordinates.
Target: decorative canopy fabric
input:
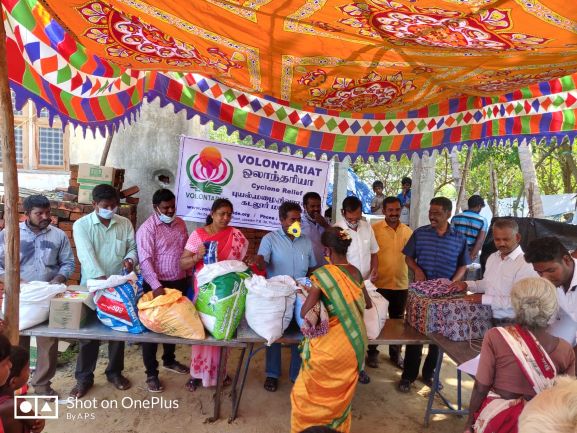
(335, 77)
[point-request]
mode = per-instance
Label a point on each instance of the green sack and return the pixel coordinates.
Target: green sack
(221, 301)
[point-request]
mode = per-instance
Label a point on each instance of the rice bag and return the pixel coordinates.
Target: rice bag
(116, 299)
(222, 296)
(270, 305)
(171, 314)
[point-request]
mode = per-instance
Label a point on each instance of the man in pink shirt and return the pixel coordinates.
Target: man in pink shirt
(160, 241)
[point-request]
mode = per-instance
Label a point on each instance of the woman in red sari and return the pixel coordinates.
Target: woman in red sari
(232, 245)
(519, 361)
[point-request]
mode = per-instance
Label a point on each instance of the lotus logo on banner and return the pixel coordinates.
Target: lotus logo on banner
(208, 171)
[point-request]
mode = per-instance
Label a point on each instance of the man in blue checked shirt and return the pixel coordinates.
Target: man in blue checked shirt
(472, 225)
(285, 252)
(45, 255)
(434, 251)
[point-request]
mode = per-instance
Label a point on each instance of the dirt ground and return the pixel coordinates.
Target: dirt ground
(377, 408)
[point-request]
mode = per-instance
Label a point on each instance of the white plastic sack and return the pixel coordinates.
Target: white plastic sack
(214, 270)
(270, 305)
(370, 286)
(112, 281)
(35, 299)
(375, 317)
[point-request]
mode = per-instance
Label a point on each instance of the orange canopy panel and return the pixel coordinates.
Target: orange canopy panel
(373, 76)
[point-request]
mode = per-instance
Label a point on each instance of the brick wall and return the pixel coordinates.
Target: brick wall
(253, 236)
(64, 214)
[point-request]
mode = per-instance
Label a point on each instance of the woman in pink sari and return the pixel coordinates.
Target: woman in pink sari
(519, 361)
(232, 245)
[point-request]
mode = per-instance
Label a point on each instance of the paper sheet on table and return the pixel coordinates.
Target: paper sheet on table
(470, 366)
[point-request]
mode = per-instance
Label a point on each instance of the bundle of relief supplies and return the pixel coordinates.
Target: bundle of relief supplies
(316, 321)
(222, 296)
(34, 304)
(434, 307)
(270, 305)
(171, 314)
(376, 316)
(116, 301)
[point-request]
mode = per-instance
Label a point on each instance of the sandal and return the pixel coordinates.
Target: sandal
(404, 385)
(80, 390)
(192, 384)
(364, 377)
(271, 384)
(153, 384)
(120, 382)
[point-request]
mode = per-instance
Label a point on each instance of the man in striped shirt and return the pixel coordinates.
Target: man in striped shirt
(434, 251)
(472, 225)
(160, 241)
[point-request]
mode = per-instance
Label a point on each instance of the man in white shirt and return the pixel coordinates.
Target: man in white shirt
(362, 252)
(364, 247)
(313, 224)
(504, 268)
(551, 260)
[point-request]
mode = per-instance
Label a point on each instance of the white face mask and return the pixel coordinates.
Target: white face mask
(106, 213)
(352, 226)
(165, 218)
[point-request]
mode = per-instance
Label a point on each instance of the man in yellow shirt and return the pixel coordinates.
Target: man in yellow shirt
(393, 273)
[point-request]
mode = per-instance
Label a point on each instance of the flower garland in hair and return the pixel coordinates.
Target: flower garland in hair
(344, 235)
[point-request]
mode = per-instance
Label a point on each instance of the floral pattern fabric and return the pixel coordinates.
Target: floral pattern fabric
(336, 77)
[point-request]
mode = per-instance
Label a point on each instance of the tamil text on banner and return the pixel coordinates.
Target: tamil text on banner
(256, 181)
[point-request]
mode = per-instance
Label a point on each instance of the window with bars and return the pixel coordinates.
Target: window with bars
(39, 145)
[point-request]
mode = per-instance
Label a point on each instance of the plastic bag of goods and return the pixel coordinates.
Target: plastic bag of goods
(270, 305)
(35, 299)
(300, 300)
(222, 297)
(116, 299)
(376, 316)
(171, 314)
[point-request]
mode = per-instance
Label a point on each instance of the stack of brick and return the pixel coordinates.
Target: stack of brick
(64, 214)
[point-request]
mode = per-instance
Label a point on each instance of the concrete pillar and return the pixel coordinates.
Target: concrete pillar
(340, 182)
(423, 188)
(150, 147)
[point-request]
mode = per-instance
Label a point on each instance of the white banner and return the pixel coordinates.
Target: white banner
(256, 181)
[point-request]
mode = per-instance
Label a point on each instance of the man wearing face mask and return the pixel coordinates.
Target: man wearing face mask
(161, 240)
(313, 224)
(105, 246)
(362, 252)
(45, 255)
(285, 252)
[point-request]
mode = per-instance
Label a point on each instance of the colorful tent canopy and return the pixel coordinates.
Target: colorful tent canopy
(328, 76)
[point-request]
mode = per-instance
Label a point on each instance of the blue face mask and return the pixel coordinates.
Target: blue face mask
(106, 213)
(165, 218)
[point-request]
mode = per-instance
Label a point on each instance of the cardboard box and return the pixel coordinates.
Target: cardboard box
(95, 174)
(85, 193)
(69, 310)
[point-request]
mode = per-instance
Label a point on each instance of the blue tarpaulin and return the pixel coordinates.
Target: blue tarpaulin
(356, 187)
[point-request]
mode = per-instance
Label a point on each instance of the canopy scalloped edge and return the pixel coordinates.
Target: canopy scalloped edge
(504, 127)
(93, 93)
